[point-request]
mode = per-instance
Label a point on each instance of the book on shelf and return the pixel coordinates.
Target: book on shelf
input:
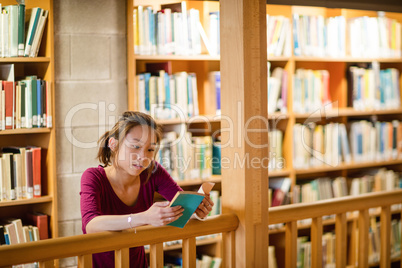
(280, 191)
(20, 173)
(168, 96)
(214, 79)
(189, 201)
(41, 221)
(275, 138)
(278, 36)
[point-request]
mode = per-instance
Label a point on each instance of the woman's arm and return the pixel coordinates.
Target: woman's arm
(157, 215)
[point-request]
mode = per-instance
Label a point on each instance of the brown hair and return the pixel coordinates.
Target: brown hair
(127, 121)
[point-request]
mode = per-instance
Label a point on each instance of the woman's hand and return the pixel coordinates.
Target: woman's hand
(160, 214)
(205, 207)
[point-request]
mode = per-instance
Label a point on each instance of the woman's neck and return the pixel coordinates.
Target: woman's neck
(120, 178)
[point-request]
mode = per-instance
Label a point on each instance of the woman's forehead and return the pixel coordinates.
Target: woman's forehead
(141, 134)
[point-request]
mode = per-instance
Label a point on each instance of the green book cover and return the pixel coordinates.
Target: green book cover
(23, 99)
(187, 200)
(34, 100)
(21, 30)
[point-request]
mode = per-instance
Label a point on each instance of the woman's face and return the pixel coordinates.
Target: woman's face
(137, 150)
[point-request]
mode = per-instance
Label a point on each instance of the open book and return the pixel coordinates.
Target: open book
(189, 200)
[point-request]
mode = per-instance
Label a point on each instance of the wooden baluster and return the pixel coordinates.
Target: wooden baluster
(122, 258)
(341, 236)
(46, 264)
(229, 249)
(385, 257)
(189, 252)
(290, 244)
(316, 242)
(156, 256)
(363, 237)
(85, 261)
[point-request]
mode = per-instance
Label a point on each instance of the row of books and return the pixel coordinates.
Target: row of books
(311, 90)
(25, 104)
(21, 30)
(318, 145)
(373, 180)
(328, 245)
(277, 89)
(371, 88)
(20, 173)
(362, 37)
(186, 157)
(173, 30)
(276, 160)
(304, 251)
(166, 96)
(278, 36)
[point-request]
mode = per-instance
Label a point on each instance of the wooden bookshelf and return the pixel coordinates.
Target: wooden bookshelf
(43, 67)
(337, 67)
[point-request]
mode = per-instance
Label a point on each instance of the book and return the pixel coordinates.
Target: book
(38, 33)
(36, 170)
(33, 24)
(189, 201)
(40, 220)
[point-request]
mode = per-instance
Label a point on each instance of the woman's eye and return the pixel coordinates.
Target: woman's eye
(136, 147)
(151, 150)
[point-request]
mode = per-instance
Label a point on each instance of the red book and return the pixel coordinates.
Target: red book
(36, 171)
(41, 221)
(9, 103)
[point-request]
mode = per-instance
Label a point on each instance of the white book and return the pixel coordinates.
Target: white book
(33, 24)
(39, 33)
(5, 52)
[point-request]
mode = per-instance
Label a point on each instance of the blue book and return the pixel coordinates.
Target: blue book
(189, 201)
(147, 76)
(218, 91)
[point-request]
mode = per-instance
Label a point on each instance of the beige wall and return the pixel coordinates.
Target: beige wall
(91, 91)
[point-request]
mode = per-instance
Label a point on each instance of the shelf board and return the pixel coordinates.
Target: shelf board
(213, 178)
(25, 131)
(345, 112)
(199, 242)
(203, 57)
(345, 59)
(43, 199)
(278, 115)
(25, 59)
(278, 58)
(312, 170)
(194, 119)
(278, 173)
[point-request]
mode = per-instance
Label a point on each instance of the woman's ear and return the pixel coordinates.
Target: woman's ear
(112, 143)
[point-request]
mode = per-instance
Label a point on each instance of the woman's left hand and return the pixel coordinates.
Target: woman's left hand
(205, 207)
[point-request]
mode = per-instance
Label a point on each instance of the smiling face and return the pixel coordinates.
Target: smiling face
(137, 150)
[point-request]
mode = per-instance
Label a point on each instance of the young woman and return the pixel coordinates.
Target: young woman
(119, 194)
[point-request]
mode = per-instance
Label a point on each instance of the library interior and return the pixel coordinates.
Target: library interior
(275, 125)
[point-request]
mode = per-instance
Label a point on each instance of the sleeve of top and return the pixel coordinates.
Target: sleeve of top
(90, 197)
(166, 186)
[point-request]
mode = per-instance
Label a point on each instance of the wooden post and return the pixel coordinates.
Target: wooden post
(316, 242)
(340, 233)
(229, 249)
(189, 252)
(291, 244)
(244, 126)
(385, 255)
(156, 255)
(122, 258)
(85, 261)
(363, 238)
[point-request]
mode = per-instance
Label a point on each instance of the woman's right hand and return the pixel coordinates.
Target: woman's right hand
(160, 214)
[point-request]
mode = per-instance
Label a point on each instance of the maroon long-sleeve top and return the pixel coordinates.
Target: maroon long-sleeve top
(98, 198)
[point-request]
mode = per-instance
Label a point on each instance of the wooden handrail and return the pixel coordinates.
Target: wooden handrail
(80, 245)
(288, 213)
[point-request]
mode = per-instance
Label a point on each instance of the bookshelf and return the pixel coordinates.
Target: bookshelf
(43, 67)
(337, 67)
(203, 124)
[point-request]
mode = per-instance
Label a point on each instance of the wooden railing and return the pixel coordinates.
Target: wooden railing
(83, 246)
(339, 207)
